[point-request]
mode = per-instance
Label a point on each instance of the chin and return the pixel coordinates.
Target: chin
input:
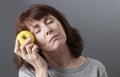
(59, 45)
(56, 46)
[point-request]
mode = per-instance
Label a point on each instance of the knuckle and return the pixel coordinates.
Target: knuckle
(27, 46)
(22, 48)
(14, 50)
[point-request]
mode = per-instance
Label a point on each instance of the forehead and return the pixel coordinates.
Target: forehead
(30, 23)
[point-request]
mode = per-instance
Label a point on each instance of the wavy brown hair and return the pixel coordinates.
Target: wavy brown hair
(37, 12)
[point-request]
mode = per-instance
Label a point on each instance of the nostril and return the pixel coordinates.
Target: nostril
(49, 32)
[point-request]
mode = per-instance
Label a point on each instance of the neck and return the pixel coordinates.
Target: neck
(62, 58)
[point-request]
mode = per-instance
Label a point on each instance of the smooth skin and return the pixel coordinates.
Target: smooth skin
(51, 40)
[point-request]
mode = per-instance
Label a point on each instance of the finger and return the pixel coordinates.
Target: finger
(17, 46)
(35, 49)
(28, 41)
(23, 50)
(29, 48)
(23, 47)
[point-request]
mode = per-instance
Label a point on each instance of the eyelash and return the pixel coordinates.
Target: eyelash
(49, 21)
(37, 31)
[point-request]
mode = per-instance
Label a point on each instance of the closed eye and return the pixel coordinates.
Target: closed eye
(49, 21)
(36, 29)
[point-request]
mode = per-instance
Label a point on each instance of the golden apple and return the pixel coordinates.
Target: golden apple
(23, 35)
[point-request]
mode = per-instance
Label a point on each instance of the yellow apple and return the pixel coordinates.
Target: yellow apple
(23, 35)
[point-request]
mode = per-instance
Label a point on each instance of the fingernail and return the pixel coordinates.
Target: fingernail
(16, 41)
(28, 38)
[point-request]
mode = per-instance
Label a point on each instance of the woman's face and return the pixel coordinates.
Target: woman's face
(48, 32)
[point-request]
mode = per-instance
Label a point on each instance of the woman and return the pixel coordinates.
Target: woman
(57, 51)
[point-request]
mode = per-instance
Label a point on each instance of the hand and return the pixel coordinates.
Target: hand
(29, 53)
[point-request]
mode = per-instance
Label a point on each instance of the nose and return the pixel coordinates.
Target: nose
(48, 30)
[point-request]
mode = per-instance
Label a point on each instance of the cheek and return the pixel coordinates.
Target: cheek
(40, 41)
(62, 32)
(41, 44)
(40, 37)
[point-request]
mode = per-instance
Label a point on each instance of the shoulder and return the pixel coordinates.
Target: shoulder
(25, 72)
(96, 63)
(97, 66)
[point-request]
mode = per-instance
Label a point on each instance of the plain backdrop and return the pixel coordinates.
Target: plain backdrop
(97, 20)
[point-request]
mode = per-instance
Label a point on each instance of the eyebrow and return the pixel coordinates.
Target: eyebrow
(28, 22)
(29, 25)
(46, 18)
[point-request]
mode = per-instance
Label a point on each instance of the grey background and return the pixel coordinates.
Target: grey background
(97, 20)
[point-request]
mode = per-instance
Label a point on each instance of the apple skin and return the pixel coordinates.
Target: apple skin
(23, 35)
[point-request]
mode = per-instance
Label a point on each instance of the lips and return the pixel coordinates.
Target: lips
(53, 38)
